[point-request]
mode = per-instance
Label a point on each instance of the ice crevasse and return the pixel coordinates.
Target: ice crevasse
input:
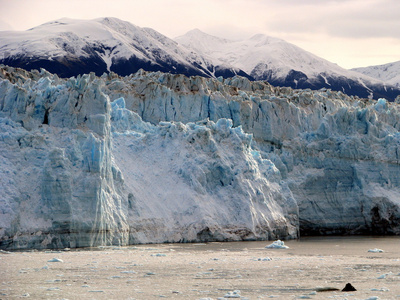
(155, 157)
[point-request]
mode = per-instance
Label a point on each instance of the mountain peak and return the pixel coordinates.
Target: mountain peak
(198, 35)
(195, 31)
(265, 39)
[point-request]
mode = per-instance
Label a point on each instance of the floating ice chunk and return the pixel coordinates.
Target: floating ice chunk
(264, 259)
(382, 276)
(55, 260)
(53, 289)
(380, 290)
(233, 294)
(128, 272)
(277, 245)
(373, 298)
(376, 250)
(53, 281)
(158, 254)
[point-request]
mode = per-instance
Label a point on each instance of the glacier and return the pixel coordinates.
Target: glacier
(156, 157)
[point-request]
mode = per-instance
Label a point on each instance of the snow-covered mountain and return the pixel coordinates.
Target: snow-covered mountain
(284, 64)
(70, 47)
(157, 157)
(389, 73)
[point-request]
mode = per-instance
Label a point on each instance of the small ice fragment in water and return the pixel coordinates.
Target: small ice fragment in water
(376, 250)
(150, 273)
(55, 260)
(234, 294)
(265, 259)
(277, 245)
(128, 272)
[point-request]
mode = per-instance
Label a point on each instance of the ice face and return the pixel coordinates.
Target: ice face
(155, 157)
(83, 171)
(60, 179)
(337, 155)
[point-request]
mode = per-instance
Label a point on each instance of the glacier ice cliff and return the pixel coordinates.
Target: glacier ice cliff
(155, 157)
(79, 170)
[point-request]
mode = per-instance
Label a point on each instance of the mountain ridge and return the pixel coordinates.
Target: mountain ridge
(284, 64)
(69, 47)
(389, 72)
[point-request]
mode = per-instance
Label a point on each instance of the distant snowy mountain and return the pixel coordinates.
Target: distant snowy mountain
(284, 64)
(389, 73)
(70, 47)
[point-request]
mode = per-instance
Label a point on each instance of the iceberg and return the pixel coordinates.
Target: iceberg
(277, 245)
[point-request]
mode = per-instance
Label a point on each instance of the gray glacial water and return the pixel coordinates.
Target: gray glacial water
(242, 270)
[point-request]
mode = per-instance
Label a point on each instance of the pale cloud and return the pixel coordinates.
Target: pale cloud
(351, 33)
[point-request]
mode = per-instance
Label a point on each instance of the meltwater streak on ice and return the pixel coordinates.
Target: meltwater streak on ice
(170, 159)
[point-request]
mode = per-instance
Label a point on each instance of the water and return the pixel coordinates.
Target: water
(209, 271)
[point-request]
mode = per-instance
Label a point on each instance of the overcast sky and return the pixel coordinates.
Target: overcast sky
(351, 33)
